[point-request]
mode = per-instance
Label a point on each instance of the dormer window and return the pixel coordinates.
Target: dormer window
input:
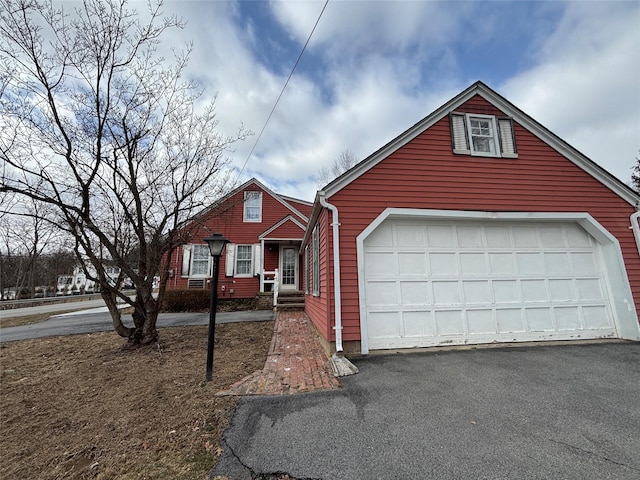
(253, 207)
(482, 135)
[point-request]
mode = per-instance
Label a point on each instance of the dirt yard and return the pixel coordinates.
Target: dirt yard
(81, 407)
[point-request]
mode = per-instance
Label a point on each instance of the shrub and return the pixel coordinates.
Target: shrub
(198, 301)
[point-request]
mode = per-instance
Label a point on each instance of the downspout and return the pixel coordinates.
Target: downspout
(336, 268)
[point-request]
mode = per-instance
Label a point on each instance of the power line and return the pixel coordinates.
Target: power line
(282, 91)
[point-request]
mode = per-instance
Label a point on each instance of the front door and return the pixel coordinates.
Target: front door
(289, 268)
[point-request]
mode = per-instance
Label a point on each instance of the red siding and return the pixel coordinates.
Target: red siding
(426, 174)
(287, 230)
(228, 220)
(319, 308)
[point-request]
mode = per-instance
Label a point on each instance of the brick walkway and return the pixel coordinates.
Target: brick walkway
(296, 362)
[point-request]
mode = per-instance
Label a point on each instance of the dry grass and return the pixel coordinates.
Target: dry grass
(82, 407)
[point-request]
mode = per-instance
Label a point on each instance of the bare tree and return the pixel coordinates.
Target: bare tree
(24, 237)
(344, 162)
(96, 123)
(635, 174)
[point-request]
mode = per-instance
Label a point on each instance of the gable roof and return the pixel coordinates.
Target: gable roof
(285, 201)
(479, 88)
(273, 228)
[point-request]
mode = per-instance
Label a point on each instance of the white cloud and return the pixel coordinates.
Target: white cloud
(586, 86)
(385, 65)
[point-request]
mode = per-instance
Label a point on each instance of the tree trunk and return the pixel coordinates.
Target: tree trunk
(145, 317)
(116, 318)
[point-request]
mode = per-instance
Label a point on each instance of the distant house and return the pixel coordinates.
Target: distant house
(265, 231)
(476, 225)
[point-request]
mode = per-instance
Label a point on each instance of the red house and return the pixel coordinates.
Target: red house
(477, 225)
(264, 230)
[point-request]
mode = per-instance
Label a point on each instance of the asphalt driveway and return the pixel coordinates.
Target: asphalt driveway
(558, 412)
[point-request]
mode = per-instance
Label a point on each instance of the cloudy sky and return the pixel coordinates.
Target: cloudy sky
(374, 68)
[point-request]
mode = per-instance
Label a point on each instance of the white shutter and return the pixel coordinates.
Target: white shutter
(257, 259)
(507, 140)
(459, 134)
(186, 260)
(230, 263)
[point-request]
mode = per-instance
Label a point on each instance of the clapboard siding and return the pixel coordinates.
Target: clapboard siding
(319, 308)
(227, 218)
(426, 174)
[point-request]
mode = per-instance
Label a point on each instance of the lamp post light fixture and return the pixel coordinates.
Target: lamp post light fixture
(216, 244)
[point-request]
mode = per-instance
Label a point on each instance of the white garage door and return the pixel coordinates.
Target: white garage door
(433, 283)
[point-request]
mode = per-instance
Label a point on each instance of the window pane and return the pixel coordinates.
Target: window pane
(252, 206)
(243, 260)
(200, 260)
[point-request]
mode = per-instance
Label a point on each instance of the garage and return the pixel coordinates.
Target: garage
(435, 279)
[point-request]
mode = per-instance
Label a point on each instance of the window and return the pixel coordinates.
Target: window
(307, 270)
(200, 260)
(482, 135)
(253, 206)
(243, 260)
(316, 260)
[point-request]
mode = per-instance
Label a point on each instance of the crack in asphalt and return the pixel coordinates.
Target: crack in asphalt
(589, 452)
(278, 475)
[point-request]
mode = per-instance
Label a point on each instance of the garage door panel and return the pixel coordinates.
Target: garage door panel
(445, 293)
(525, 237)
(410, 263)
(476, 292)
(562, 290)
(551, 236)
(509, 320)
(443, 264)
(418, 324)
(440, 236)
(411, 235)
(449, 322)
(469, 236)
(473, 264)
(539, 319)
(595, 317)
(414, 293)
(382, 293)
(498, 237)
(568, 318)
(534, 291)
(480, 322)
(506, 291)
(438, 283)
(380, 263)
(557, 263)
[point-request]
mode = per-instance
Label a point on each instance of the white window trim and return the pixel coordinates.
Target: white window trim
(231, 260)
(503, 135)
(248, 194)
(237, 259)
(494, 138)
(307, 270)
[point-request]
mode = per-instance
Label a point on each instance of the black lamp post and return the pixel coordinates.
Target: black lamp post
(216, 246)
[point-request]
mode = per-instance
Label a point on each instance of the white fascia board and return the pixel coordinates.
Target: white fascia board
(623, 305)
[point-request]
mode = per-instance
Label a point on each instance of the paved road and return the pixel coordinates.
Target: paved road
(99, 320)
(560, 412)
